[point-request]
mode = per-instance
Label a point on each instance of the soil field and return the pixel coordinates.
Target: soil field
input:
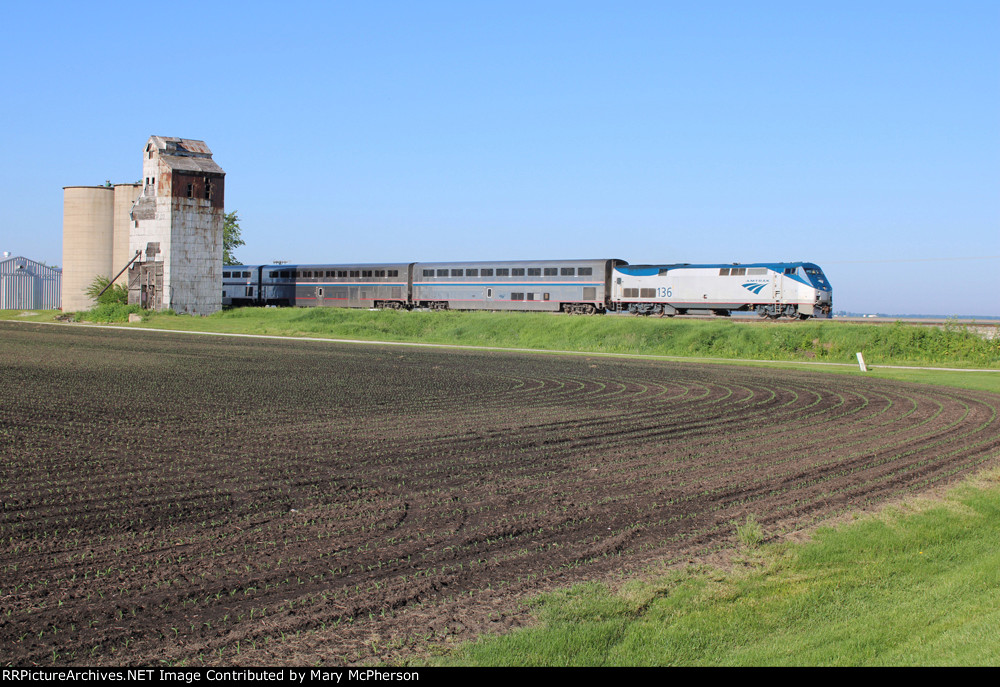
(189, 500)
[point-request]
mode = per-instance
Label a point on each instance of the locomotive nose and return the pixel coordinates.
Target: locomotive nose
(824, 304)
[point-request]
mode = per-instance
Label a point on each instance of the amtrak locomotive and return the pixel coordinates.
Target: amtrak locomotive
(781, 289)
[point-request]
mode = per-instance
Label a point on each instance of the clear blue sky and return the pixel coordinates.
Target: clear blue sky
(863, 136)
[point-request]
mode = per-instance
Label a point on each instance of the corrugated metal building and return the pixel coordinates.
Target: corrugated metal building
(29, 285)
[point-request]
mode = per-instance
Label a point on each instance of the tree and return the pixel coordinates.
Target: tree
(231, 238)
(116, 293)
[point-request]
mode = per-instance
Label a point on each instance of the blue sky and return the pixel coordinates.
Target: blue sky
(863, 136)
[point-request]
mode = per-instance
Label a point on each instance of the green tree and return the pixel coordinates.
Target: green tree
(117, 293)
(231, 238)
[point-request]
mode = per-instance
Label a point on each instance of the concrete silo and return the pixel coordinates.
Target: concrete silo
(125, 197)
(96, 226)
(88, 240)
(177, 227)
(167, 230)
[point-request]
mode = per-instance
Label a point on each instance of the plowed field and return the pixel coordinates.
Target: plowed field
(180, 499)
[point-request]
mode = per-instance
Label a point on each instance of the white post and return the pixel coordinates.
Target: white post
(861, 363)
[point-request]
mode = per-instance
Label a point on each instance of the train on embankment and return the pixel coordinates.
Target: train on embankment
(772, 290)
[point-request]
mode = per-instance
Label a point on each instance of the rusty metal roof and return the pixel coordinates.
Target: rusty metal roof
(191, 164)
(185, 154)
(171, 145)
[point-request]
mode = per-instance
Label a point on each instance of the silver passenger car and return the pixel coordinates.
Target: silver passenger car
(383, 285)
(576, 286)
(240, 285)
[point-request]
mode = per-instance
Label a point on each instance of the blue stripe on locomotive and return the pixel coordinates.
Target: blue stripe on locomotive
(780, 267)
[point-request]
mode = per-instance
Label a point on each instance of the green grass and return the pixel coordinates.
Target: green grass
(919, 586)
(814, 340)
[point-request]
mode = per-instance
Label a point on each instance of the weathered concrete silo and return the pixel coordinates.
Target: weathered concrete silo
(88, 238)
(96, 226)
(125, 197)
(173, 218)
(177, 226)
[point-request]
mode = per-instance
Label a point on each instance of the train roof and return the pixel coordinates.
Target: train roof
(324, 266)
(640, 270)
(452, 263)
(577, 261)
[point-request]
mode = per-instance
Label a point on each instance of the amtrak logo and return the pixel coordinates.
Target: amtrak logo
(755, 287)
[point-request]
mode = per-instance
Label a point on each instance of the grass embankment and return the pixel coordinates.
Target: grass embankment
(903, 588)
(814, 340)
